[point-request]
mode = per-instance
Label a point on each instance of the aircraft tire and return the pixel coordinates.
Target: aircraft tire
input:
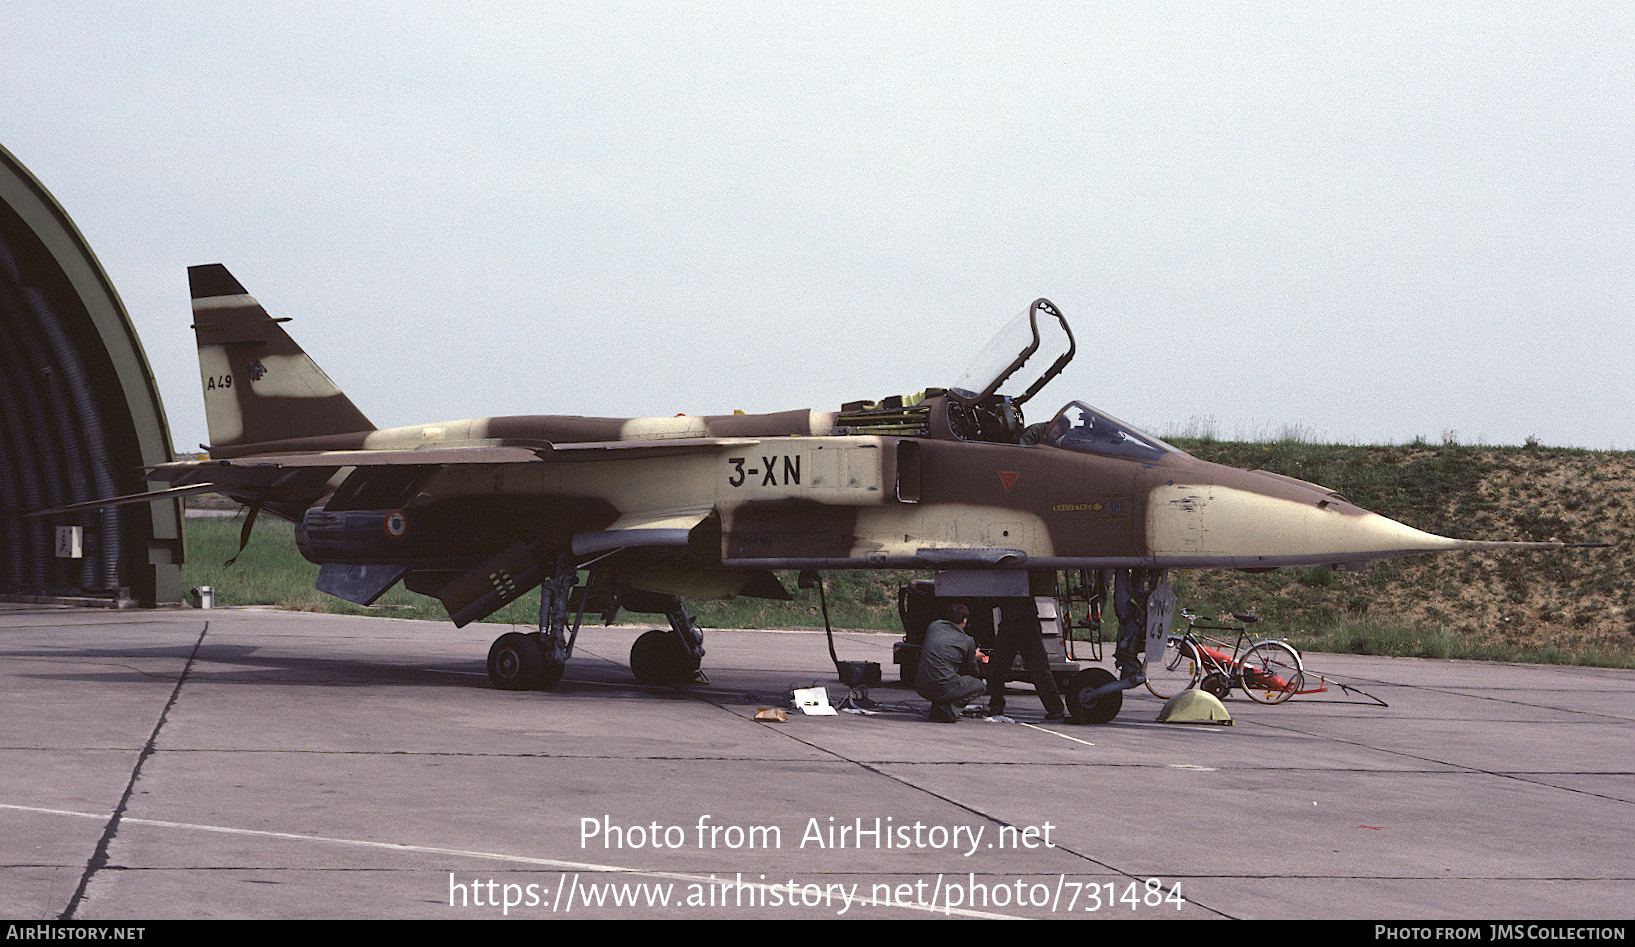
(516, 662)
(1105, 708)
(910, 667)
(658, 657)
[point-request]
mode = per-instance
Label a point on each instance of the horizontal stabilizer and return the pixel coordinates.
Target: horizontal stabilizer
(169, 493)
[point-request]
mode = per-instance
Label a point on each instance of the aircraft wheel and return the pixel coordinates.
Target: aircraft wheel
(1104, 708)
(516, 662)
(908, 658)
(551, 673)
(659, 657)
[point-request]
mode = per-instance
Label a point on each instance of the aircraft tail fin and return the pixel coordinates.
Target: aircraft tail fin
(259, 386)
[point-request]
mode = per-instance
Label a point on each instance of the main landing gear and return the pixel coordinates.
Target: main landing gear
(520, 661)
(536, 661)
(516, 662)
(664, 657)
(661, 657)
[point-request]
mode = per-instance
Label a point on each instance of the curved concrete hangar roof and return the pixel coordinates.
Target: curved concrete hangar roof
(79, 418)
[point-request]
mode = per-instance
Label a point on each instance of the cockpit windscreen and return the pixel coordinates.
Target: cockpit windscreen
(1080, 427)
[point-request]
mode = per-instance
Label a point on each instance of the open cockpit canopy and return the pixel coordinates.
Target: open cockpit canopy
(975, 410)
(1040, 335)
(1041, 328)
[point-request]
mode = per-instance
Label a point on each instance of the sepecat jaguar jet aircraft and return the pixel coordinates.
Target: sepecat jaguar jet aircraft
(478, 512)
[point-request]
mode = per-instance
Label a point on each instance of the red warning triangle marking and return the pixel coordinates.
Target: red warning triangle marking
(1008, 478)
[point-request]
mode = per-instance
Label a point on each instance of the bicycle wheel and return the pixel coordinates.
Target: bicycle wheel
(1175, 671)
(1269, 672)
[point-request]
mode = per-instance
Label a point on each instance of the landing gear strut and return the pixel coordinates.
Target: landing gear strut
(1132, 590)
(520, 662)
(1145, 604)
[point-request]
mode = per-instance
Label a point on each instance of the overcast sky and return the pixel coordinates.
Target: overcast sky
(1365, 222)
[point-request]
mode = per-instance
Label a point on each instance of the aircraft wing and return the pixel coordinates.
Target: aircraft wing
(471, 453)
(295, 473)
(425, 456)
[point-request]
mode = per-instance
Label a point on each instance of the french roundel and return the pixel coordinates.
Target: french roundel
(396, 524)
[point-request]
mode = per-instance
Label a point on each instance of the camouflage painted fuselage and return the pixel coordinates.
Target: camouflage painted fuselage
(705, 505)
(784, 491)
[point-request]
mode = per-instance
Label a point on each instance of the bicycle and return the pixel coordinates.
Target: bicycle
(1269, 671)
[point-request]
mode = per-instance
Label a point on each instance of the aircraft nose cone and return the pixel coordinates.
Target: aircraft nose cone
(1253, 519)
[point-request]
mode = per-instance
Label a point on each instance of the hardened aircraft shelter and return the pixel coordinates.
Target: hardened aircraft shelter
(80, 417)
